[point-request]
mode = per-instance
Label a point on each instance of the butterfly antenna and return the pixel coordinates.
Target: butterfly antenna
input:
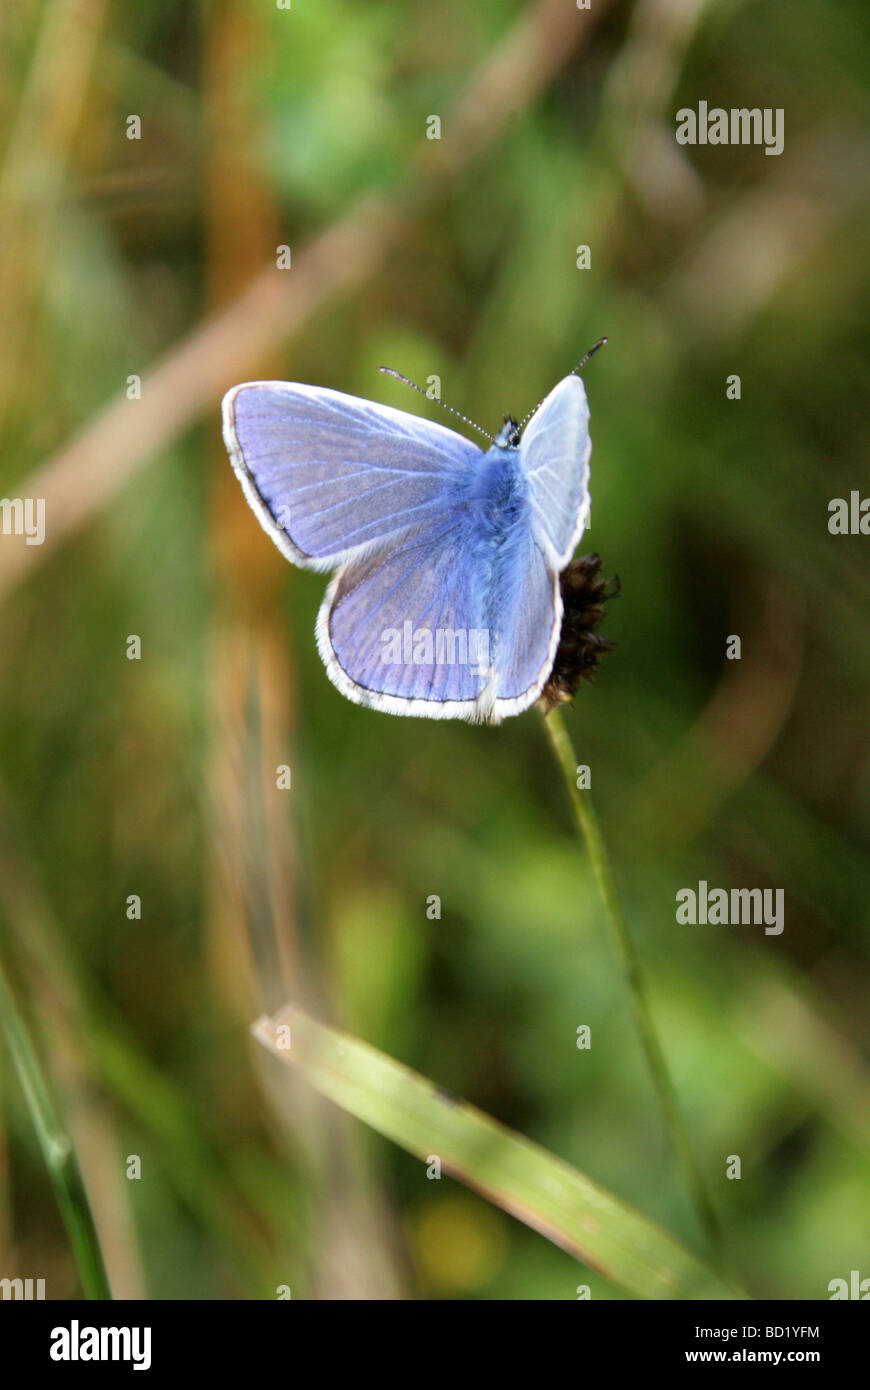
(390, 371)
(573, 372)
(591, 353)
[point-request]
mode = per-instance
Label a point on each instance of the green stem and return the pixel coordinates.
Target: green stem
(57, 1149)
(590, 834)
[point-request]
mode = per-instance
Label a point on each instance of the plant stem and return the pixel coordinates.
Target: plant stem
(590, 834)
(57, 1149)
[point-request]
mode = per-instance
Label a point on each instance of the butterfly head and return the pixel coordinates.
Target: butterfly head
(508, 436)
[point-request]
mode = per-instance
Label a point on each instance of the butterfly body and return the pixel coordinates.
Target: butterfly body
(446, 602)
(497, 490)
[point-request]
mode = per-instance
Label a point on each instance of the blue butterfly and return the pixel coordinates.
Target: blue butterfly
(446, 601)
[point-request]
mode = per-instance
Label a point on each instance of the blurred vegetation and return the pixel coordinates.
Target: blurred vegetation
(156, 777)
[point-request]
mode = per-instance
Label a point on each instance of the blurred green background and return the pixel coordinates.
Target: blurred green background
(306, 127)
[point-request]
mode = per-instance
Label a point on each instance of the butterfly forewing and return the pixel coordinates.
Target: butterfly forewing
(330, 475)
(555, 450)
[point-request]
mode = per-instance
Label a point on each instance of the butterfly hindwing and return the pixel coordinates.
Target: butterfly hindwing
(446, 623)
(530, 619)
(407, 631)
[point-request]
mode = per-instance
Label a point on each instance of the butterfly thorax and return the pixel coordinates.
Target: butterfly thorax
(497, 493)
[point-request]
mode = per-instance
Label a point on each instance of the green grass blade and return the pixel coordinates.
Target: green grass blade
(57, 1149)
(517, 1175)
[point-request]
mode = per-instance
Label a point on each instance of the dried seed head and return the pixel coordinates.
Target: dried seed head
(584, 596)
